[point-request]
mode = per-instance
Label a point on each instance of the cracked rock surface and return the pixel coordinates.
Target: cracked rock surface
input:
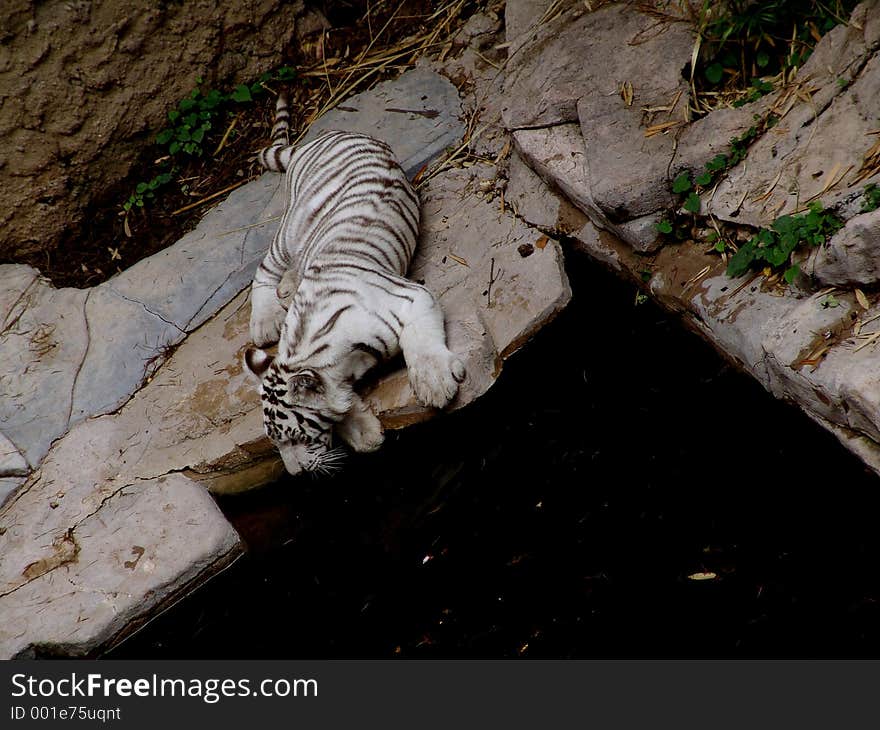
(802, 346)
(113, 439)
(818, 145)
(571, 73)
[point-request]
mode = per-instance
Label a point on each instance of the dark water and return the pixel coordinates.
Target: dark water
(561, 516)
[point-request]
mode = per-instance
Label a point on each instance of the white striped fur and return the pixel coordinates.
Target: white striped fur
(331, 290)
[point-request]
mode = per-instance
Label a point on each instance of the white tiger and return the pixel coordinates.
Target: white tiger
(331, 290)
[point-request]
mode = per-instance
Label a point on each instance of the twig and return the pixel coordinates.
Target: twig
(250, 225)
(493, 277)
(208, 197)
(870, 341)
(228, 132)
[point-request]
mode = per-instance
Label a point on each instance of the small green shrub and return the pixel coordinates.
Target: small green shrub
(689, 188)
(773, 246)
(190, 123)
(198, 113)
(757, 89)
(872, 198)
(146, 191)
(742, 36)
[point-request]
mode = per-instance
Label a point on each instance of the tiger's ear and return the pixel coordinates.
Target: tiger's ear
(257, 361)
(307, 380)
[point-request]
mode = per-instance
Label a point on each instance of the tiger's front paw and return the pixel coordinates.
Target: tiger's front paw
(435, 377)
(361, 430)
(267, 316)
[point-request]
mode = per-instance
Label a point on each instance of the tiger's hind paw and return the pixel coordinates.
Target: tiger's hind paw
(435, 377)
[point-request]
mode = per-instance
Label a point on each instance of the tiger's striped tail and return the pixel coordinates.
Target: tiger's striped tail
(276, 156)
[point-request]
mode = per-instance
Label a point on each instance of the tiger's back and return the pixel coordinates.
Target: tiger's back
(332, 291)
(348, 201)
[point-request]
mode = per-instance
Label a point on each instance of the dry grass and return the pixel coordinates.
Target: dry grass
(343, 73)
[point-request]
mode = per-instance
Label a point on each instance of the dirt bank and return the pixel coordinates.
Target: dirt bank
(85, 85)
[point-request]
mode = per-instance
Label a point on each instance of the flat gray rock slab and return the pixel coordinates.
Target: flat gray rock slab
(558, 155)
(533, 200)
(12, 463)
(522, 17)
(185, 284)
(852, 257)
(8, 487)
(130, 555)
(69, 354)
(42, 345)
(417, 114)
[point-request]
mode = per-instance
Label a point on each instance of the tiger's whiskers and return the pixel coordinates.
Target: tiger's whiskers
(329, 462)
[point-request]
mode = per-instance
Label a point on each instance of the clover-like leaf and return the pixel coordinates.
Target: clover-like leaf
(741, 261)
(682, 183)
(693, 203)
(242, 93)
(714, 72)
(717, 163)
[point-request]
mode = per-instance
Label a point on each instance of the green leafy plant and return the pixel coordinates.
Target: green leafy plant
(146, 191)
(741, 39)
(714, 72)
(192, 121)
(773, 246)
(198, 113)
(872, 198)
(747, 33)
(684, 185)
(757, 89)
(830, 302)
(692, 203)
(719, 245)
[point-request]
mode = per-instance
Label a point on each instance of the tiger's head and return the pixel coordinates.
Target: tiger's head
(300, 408)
